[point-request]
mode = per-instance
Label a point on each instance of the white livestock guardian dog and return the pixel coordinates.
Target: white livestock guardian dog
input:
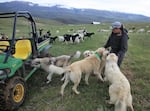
(119, 90)
(64, 60)
(88, 65)
(43, 63)
(53, 65)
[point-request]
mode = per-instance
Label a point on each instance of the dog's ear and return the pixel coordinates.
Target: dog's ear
(106, 53)
(52, 60)
(102, 51)
(113, 57)
(109, 49)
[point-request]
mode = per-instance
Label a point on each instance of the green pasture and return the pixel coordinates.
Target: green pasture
(136, 67)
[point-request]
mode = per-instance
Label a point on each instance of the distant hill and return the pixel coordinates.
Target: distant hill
(71, 15)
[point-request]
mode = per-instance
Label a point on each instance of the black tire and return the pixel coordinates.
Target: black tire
(15, 93)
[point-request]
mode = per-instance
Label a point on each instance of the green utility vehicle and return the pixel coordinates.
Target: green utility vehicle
(16, 52)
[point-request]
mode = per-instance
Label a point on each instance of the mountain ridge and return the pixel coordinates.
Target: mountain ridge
(71, 15)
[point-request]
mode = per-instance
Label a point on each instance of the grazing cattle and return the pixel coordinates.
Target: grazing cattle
(71, 38)
(53, 39)
(67, 38)
(148, 31)
(130, 31)
(104, 30)
(89, 34)
(61, 38)
(40, 32)
(3, 36)
(40, 39)
(81, 36)
(133, 28)
(48, 33)
(45, 36)
(141, 30)
(57, 31)
(75, 37)
(147, 26)
(80, 31)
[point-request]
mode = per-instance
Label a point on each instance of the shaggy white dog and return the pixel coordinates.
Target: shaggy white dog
(119, 90)
(49, 68)
(53, 65)
(64, 60)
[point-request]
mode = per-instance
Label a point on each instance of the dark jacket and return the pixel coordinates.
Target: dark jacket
(118, 44)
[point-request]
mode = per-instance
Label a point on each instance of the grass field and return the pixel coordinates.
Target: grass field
(136, 66)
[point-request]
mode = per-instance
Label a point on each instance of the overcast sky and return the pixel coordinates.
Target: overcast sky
(129, 6)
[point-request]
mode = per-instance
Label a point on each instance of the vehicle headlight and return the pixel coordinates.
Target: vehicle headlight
(3, 75)
(4, 72)
(1, 72)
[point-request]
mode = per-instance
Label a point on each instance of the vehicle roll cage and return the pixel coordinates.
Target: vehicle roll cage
(15, 15)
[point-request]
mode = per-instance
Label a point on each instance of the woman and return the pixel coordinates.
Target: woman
(118, 41)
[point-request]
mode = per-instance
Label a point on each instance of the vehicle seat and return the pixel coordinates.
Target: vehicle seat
(4, 46)
(22, 49)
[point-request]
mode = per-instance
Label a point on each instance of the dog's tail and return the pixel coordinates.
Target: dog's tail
(120, 105)
(76, 55)
(129, 100)
(66, 74)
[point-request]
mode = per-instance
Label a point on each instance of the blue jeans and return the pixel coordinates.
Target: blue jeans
(120, 58)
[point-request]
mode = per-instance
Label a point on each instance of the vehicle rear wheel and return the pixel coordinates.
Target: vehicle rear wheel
(15, 93)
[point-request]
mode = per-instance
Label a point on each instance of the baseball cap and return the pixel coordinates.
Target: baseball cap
(116, 25)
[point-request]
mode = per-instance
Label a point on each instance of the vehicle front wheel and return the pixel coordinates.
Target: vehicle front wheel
(15, 92)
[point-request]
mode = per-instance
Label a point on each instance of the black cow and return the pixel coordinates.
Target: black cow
(53, 39)
(89, 34)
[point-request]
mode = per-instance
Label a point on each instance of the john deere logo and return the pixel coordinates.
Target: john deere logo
(14, 65)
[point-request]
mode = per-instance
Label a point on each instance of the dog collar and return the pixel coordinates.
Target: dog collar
(98, 55)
